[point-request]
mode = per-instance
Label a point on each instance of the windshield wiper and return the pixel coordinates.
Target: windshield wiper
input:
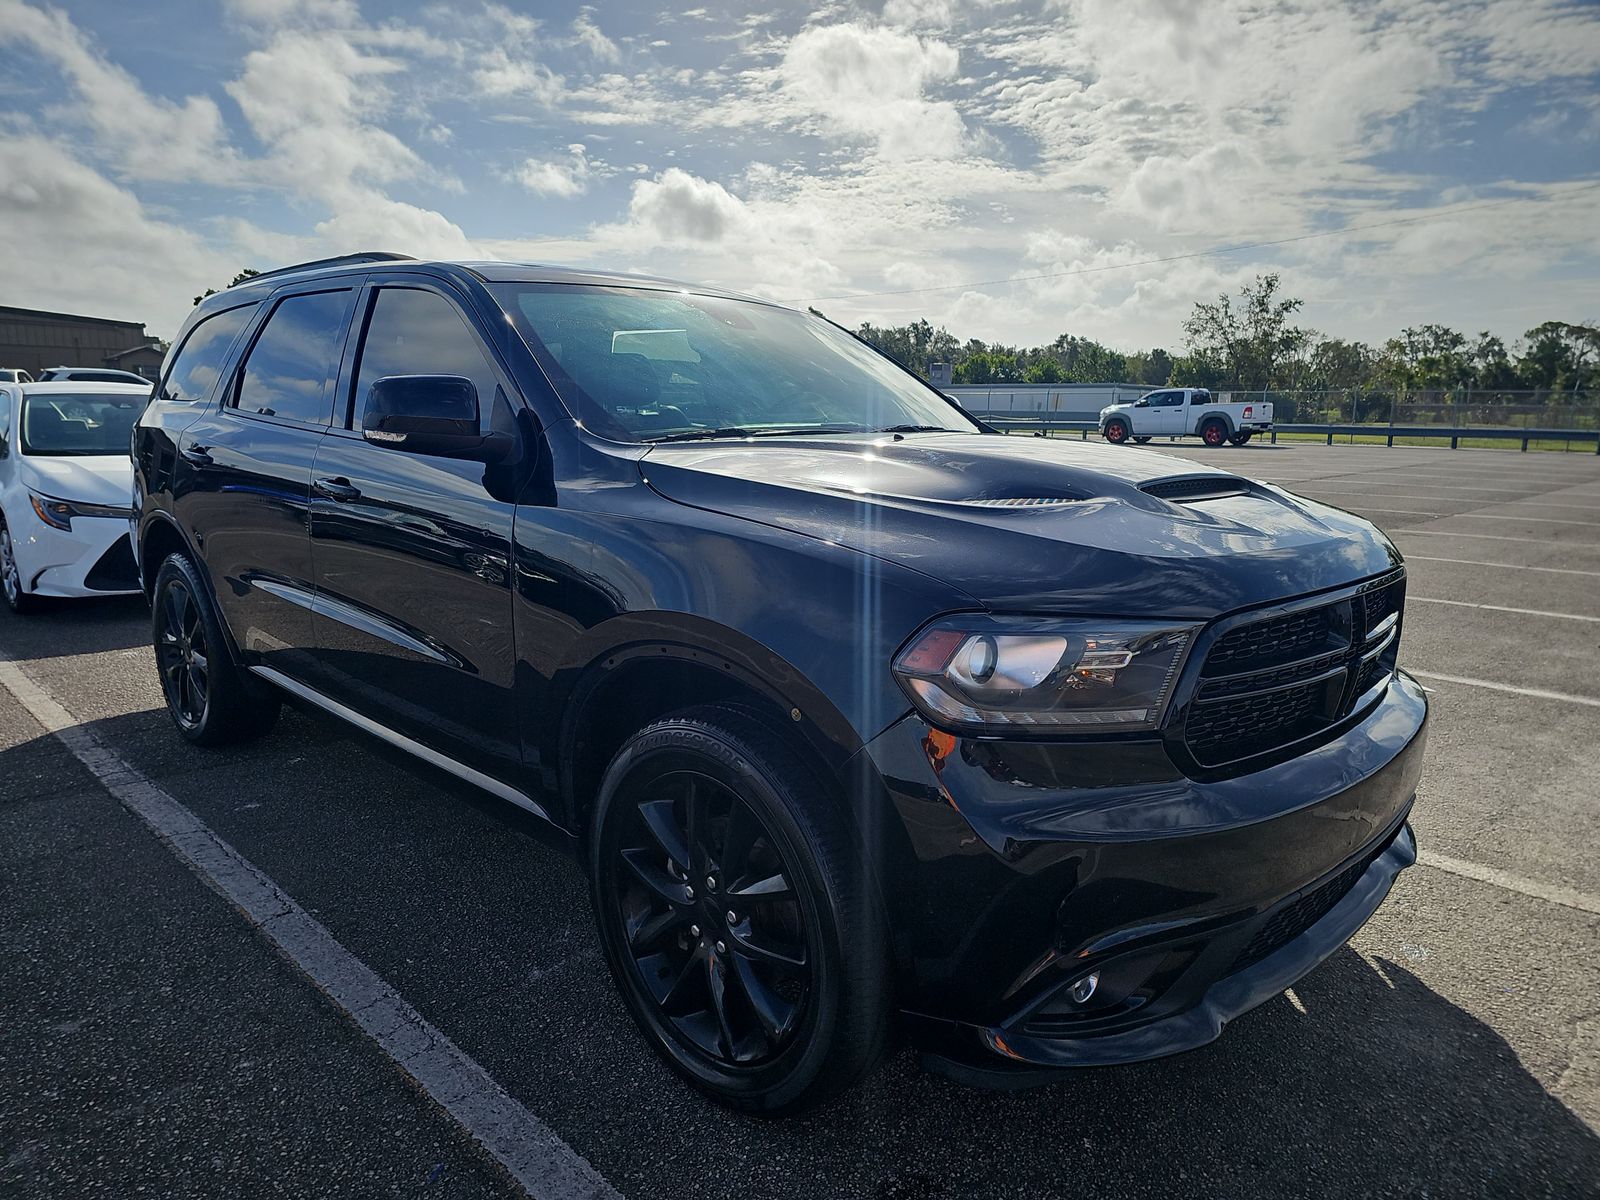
(916, 429)
(740, 431)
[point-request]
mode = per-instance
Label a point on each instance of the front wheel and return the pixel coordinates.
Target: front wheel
(18, 599)
(1117, 432)
(208, 698)
(736, 914)
(1213, 433)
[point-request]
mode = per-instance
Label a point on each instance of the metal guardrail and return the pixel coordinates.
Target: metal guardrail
(1454, 434)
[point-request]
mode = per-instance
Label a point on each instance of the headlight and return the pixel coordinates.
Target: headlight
(997, 674)
(58, 514)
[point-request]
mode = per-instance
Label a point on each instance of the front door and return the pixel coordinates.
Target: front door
(412, 553)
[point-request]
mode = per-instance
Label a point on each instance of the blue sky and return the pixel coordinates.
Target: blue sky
(828, 154)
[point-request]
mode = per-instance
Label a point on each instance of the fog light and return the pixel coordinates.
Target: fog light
(1084, 988)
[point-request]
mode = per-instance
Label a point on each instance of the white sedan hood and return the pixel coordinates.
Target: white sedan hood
(93, 479)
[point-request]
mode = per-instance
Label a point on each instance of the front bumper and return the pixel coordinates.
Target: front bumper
(1024, 867)
(93, 558)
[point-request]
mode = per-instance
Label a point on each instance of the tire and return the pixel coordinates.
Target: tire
(1141, 440)
(1116, 432)
(18, 599)
(1240, 439)
(1214, 433)
(210, 700)
(767, 1000)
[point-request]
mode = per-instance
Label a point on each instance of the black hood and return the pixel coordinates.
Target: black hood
(1036, 524)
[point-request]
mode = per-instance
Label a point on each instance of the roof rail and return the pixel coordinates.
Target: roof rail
(340, 260)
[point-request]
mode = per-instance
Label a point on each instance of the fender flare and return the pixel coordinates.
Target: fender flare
(1215, 414)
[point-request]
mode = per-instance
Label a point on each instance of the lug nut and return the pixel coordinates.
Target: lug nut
(721, 948)
(733, 917)
(694, 931)
(689, 892)
(711, 883)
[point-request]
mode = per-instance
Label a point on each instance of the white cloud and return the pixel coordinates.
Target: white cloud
(589, 36)
(563, 178)
(148, 137)
(678, 207)
(870, 83)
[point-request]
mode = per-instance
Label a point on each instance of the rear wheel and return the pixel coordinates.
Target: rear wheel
(209, 699)
(1141, 440)
(18, 599)
(735, 913)
(1240, 439)
(1117, 432)
(1214, 433)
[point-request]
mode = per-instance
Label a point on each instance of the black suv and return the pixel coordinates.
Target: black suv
(1060, 754)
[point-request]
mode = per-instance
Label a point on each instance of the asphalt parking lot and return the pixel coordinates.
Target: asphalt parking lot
(153, 1042)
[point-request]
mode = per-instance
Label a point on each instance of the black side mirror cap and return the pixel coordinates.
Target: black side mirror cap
(430, 414)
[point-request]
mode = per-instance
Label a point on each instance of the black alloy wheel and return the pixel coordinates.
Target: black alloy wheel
(208, 698)
(733, 922)
(1116, 432)
(182, 655)
(17, 598)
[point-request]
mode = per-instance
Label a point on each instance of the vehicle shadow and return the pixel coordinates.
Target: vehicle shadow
(69, 627)
(1372, 1084)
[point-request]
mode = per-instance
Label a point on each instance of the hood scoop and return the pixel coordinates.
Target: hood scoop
(1188, 489)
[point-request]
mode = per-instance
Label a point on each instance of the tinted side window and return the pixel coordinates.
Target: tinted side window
(289, 370)
(413, 332)
(199, 361)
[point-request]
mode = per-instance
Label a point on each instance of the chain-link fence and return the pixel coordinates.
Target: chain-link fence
(1452, 407)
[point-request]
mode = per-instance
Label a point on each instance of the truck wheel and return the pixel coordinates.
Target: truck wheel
(1240, 439)
(1117, 432)
(1213, 433)
(736, 913)
(1141, 440)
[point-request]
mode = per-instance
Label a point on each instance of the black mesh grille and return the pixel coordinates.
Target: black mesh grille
(1299, 913)
(1195, 487)
(1269, 683)
(115, 571)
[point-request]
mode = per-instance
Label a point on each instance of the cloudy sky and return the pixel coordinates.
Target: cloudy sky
(1006, 169)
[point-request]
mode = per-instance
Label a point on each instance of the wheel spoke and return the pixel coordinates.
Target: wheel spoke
(655, 877)
(682, 983)
(173, 608)
(743, 833)
(772, 887)
(660, 818)
(695, 828)
(775, 1014)
(717, 986)
(650, 931)
(783, 957)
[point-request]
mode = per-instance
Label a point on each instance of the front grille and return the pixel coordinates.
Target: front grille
(1270, 683)
(115, 572)
(1299, 913)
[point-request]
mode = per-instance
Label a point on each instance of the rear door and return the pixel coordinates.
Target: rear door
(412, 553)
(247, 472)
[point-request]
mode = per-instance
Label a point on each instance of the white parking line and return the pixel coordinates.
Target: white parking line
(1537, 693)
(1472, 562)
(1487, 537)
(525, 1146)
(1530, 520)
(1524, 612)
(1570, 897)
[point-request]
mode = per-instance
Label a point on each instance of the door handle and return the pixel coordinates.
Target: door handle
(198, 456)
(336, 488)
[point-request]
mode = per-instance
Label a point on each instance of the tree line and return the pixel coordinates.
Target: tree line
(1252, 343)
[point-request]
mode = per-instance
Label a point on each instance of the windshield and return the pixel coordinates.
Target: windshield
(63, 423)
(640, 366)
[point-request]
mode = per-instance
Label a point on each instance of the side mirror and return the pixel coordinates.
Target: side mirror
(1142, 404)
(429, 414)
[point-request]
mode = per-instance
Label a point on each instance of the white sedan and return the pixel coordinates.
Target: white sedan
(66, 486)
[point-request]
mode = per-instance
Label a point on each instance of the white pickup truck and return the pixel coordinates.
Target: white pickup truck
(1185, 412)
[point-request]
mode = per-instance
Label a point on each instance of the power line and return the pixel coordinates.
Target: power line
(1214, 251)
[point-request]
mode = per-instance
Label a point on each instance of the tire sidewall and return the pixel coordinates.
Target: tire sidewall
(669, 747)
(1216, 427)
(1117, 432)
